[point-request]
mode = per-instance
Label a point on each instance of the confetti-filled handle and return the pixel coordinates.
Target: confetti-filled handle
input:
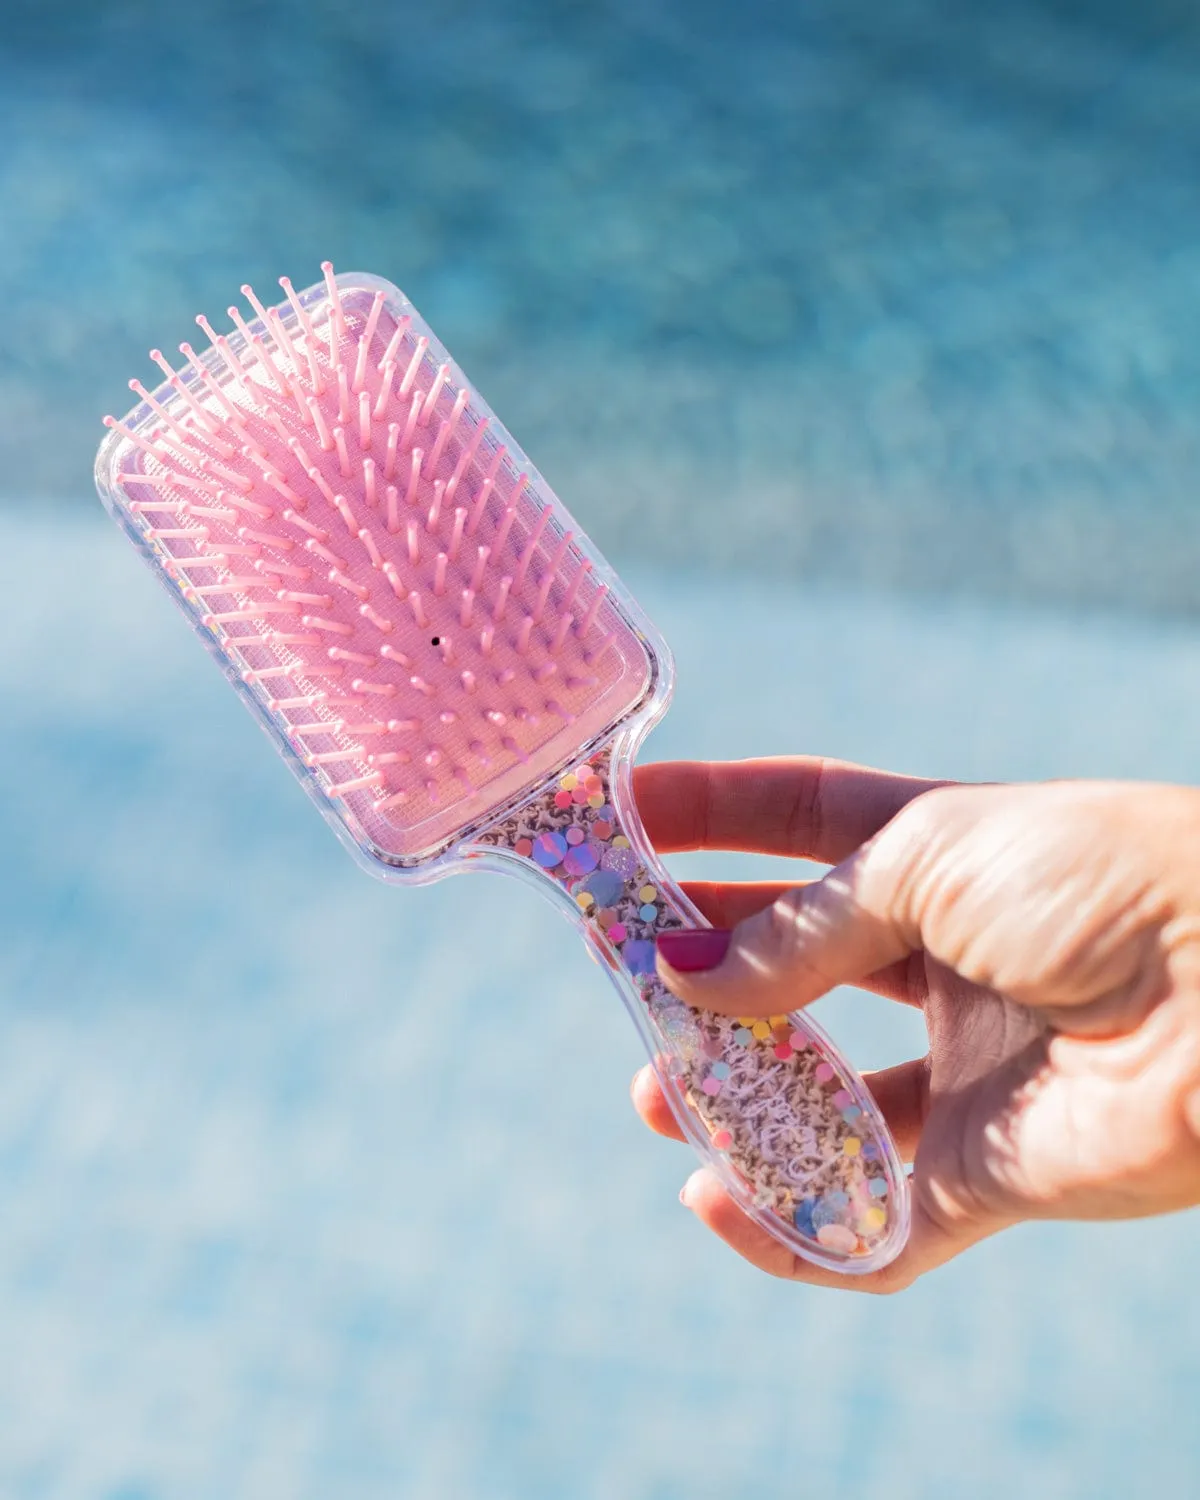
(767, 1102)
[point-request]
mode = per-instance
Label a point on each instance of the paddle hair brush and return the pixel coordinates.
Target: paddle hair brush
(459, 681)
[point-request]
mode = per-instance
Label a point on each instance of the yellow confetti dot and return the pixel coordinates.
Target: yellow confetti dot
(569, 783)
(746, 1020)
(853, 1146)
(777, 1020)
(596, 799)
(648, 893)
(585, 899)
(761, 1030)
(874, 1218)
(620, 842)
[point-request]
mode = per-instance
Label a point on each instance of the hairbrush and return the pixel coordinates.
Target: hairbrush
(459, 681)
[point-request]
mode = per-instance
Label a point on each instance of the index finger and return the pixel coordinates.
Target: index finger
(799, 805)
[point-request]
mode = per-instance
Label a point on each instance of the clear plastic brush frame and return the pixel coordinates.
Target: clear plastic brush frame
(769, 1104)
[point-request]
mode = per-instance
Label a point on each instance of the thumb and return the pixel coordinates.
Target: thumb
(826, 932)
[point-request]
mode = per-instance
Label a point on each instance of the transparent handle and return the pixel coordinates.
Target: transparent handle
(768, 1103)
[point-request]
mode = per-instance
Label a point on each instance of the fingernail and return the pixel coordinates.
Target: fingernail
(692, 950)
(685, 1192)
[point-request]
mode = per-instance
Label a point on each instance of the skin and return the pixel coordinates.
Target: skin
(1050, 933)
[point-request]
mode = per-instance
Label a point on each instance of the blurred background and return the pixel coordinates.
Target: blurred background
(866, 340)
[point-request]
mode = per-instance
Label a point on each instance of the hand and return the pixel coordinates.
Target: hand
(1051, 935)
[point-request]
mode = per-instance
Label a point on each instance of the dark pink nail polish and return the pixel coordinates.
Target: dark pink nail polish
(694, 949)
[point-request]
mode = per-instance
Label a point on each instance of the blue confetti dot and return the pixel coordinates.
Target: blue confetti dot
(743, 1037)
(824, 1213)
(877, 1188)
(604, 887)
(548, 849)
(870, 1151)
(638, 957)
(838, 1200)
(720, 1071)
(851, 1113)
(648, 912)
(803, 1217)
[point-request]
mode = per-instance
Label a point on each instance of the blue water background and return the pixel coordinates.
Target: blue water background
(865, 339)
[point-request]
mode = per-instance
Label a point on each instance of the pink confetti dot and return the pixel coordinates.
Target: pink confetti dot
(562, 799)
(617, 932)
(823, 1072)
(711, 1086)
(574, 835)
(523, 847)
(798, 1041)
(580, 795)
(783, 1052)
(842, 1098)
(722, 1140)
(838, 1237)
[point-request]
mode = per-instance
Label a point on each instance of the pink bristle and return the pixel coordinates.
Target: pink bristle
(316, 548)
(324, 436)
(434, 513)
(298, 308)
(413, 534)
(315, 377)
(414, 365)
(485, 489)
(305, 525)
(531, 546)
(456, 534)
(364, 419)
(410, 424)
(392, 654)
(467, 457)
(393, 509)
(359, 590)
(389, 463)
(414, 478)
(338, 315)
(379, 621)
(397, 338)
(342, 506)
(593, 610)
(318, 479)
(552, 570)
(369, 542)
(343, 453)
(343, 387)
(502, 594)
(364, 342)
(159, 454)
(445, 433)
(568, 599)
(435, 390)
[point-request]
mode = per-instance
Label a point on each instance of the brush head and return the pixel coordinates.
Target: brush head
(408, 608)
